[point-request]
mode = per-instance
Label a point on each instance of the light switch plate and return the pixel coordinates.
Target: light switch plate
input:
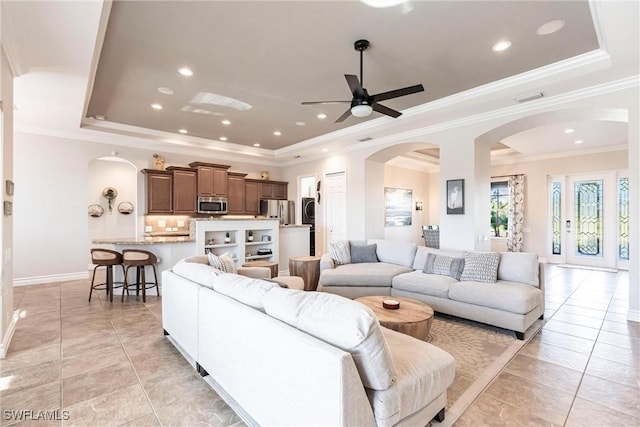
(148, 228)
(162, 223)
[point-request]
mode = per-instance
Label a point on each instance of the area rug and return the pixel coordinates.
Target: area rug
(481, 352)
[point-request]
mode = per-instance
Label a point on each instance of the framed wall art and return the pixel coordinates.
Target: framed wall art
(455, 197)
(397, 206)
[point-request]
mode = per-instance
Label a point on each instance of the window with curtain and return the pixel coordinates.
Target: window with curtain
(499, 208)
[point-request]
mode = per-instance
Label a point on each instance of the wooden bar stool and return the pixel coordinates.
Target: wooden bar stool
(140, 259)
(105, 258)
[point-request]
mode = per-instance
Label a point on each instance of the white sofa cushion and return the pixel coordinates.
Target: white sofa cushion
(519, 267)
(423, 251)
(340, 252)
(202, 274)
(481, 266)
(400, 253)
(362, 274)
(246, 290)
(341, 322)
(423, 372)
(422, 283)
(513, 297)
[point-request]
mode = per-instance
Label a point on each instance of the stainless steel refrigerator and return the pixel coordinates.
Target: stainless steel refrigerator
(285, 210)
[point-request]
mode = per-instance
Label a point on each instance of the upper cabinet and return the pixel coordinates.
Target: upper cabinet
(184, 190)
(159, 189)
(273, 190)
(235, 187)
(212, 179)
(251, 196)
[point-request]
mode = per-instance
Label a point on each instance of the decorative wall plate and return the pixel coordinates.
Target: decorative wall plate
(125, 208)
(95, 211)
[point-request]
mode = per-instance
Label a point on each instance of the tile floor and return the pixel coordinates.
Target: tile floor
(104, 363)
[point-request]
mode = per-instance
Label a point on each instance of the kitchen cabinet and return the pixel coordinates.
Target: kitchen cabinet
(273, 190)
(251, 197)
(212, 179)
(184, 190)
(236, 196)
(159, 190)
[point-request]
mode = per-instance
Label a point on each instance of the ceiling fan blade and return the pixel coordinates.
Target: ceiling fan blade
(344, 116)
(386, 110)
(325, 102)
(397, 93)
(355, 86)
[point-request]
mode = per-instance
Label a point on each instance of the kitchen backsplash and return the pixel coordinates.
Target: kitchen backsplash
(166, 225)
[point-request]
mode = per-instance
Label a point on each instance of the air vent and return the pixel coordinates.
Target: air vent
(368, 138)
(530, 97)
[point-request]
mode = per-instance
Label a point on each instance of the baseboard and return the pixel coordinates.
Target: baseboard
(6, 340)
(37, 280)
(633, 315)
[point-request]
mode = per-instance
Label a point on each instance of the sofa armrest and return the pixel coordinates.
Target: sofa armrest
(255, 272)
(326, 262)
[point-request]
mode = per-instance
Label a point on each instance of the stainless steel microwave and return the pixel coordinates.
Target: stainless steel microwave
(212, 205)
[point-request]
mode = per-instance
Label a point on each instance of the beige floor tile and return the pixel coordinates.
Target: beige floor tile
(558, 355)
(615, 396)
(96, 383)
(595, 304)
(25, 340)
(147, 421)
(180, 391)
(571, 329)
(583, 311)
(621, 340)
(91, 360)
(45, 397)
(615, 353)
(628, 328)
(32, 356)
(581, 345)
(111, 409)
(577, 319)
(151, 366)
(623, 374)
(616, 317)
(537, 398)
(546, 373)
(91, 341)
(585, 413)
(20, 378)
(488, 411)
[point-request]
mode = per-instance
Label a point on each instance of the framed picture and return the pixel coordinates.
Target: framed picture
(455, 197)
(397, 207)
(9, 187)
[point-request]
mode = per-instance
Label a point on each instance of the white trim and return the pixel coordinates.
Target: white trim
(633, 315)
(36, 280)
(10, 47)
(6, 340)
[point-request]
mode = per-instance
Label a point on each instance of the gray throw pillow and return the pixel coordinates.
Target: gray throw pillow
(444, 265)
(481, 266)
(363, 253)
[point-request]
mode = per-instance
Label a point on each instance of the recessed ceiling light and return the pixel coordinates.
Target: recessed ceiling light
(226, 122)
(300, 123)
(223, 138)
(183, 131)
(277, 133)
(501, 45)
(99, 117)
(165, 90)
(322, 116)
(324, 150)
(256, 145)
(578, 141)
(185, 71)
(569, 131)
(379, 4)
(550, 27)
(156, 106)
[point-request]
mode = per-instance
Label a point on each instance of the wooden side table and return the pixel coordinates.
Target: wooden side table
(273, 266)
(412, 318)
(307, 267)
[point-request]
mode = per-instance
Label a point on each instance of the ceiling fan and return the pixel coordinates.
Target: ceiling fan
(362, 104)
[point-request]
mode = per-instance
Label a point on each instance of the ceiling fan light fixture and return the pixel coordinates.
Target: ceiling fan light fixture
(361, 110)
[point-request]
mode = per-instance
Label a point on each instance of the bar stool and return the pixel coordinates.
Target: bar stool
(140, 259)
(105, 258)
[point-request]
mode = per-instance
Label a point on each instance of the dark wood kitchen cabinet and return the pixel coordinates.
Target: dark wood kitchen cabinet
(184, 190)
(235, 187)
(251, 196)
(159, 189)
(212, 178)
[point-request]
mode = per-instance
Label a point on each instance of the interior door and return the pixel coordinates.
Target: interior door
(335, 203)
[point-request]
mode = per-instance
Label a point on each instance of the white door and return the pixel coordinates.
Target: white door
(335, 205)
(586, 220)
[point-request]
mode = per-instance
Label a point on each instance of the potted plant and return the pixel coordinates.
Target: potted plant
(250, 236)
(227, 237)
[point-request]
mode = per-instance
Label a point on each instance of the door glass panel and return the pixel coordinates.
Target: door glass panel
(623, 219)
(556, 218)
(588, 218)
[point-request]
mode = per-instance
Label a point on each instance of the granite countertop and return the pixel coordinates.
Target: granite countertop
(227, 218)
(296, 226)
(144, 240)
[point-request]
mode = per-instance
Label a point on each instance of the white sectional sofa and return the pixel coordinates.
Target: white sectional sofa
(514, 301)
(289, 357)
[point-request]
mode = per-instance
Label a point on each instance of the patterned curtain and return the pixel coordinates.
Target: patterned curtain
(515, 242)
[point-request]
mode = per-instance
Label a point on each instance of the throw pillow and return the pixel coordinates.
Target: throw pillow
(363, 253)
(481, 266)
(444, 265)
(223, 262)
(340, 253)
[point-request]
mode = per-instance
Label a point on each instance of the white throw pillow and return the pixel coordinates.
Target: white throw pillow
(341, 322)
(480, 267)
(223, 262)
(340, 252)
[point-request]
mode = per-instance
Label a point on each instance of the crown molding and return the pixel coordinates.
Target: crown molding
(9, 45)
(535, 158)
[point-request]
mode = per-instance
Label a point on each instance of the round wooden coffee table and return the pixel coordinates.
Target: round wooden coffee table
(412, 318)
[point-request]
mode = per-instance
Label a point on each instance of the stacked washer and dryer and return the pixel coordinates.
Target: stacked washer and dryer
(309, 217)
